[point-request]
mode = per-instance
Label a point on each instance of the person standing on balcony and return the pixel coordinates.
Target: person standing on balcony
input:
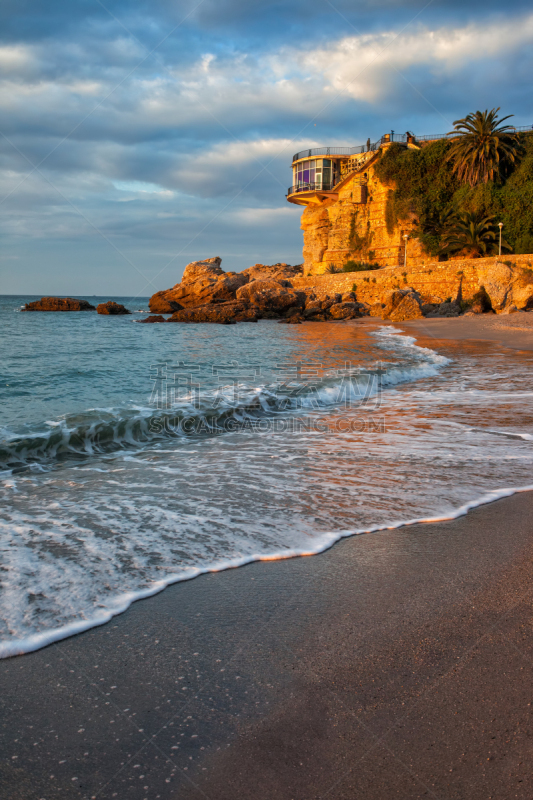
(368, 145)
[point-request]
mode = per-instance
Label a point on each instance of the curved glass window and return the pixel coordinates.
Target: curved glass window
(315, 173)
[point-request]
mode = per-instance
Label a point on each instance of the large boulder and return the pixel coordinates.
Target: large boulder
(112, 308)
(209, 269)
(390, 301)
(522, 289)
(271, 298)
(221, 313)
(273, 272)
(376, 309)
(347, 310)
(447, 309)
(407, 308)
(401, 305)
(496, 278)
(203, 282)
(58, 304)
(160, 304)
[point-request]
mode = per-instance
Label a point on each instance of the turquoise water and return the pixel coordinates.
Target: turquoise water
(136, 455)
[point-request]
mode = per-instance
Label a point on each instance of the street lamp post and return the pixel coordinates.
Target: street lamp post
(500, 226)
(405, 236)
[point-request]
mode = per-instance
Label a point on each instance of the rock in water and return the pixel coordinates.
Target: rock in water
(153, 318)
(111, 308)
(58, 304)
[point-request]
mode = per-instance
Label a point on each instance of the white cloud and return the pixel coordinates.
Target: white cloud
(366, 67)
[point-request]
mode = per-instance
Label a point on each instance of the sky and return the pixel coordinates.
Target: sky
(136, 137)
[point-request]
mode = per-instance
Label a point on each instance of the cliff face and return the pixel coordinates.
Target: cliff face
(354, 227)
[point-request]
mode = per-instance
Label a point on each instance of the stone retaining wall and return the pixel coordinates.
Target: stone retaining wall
(457, 279)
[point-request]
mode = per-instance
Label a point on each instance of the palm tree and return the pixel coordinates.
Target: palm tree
(483, 145)
(473, 236)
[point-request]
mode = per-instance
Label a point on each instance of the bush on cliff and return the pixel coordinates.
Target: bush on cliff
(472, 235)
(425, 190)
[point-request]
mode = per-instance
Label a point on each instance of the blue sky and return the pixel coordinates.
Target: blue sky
(136, 137)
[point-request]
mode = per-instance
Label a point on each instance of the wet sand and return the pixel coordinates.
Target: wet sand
(396, 664)
(510, 330)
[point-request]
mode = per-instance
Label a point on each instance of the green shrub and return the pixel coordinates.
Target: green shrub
(424, 186)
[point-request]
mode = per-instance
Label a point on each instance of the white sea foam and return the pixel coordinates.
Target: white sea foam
(79, 543)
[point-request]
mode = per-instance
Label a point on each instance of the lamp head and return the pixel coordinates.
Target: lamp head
(500, 225)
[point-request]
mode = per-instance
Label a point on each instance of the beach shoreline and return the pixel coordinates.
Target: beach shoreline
(394, 664)
(393, 644)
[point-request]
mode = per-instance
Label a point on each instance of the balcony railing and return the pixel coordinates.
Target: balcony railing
(335, 151)
(309, 187)
(392, 137)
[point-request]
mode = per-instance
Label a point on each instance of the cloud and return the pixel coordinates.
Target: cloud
(192, 145)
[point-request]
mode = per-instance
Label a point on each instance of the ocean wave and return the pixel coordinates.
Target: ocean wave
(106, 430)
(35, 641)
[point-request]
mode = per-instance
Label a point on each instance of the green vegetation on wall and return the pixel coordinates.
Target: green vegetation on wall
(358, 244)
(428, 193)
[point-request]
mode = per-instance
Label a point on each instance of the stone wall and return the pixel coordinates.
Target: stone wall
(354, 227)
(436, 282)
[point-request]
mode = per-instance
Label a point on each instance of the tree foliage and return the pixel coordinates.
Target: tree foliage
(471, 235)
(484, 148)
(425, 190)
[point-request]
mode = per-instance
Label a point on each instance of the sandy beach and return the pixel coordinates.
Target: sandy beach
(396, 664)
(510, 330)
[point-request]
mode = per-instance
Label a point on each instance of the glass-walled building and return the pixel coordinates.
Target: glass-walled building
(319, 173)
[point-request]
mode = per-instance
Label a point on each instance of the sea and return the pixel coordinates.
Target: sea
(135, 456)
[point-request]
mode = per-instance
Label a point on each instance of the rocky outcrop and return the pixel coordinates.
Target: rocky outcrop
(220, 313)
(203, 282)
(206, 282)
(271, 298)
(160, 304)
(437, 289)
(112, 308)
(58, 304)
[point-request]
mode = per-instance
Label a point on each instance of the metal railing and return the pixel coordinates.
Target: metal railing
(392, 137)
(322, 187)
(309, 187)
(335, 151)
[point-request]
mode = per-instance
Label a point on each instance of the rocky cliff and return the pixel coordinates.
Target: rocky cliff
(354, 226)
(284, 293)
